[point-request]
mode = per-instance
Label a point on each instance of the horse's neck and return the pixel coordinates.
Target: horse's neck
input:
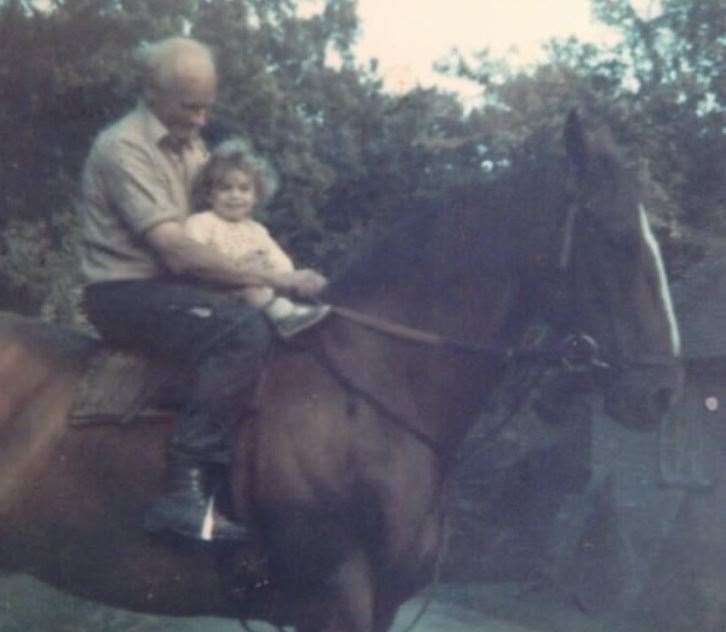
(444, 385)
(469, 287)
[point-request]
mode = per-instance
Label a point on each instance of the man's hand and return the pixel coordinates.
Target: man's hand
(304, 283)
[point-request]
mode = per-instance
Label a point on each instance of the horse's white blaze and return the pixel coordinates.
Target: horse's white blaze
(662, 281)
(208, 523)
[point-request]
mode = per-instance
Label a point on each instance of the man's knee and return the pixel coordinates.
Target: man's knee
(253, 333)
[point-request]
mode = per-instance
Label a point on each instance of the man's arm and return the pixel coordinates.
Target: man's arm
(183, 255)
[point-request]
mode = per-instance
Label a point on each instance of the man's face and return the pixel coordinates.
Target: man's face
(183, 104)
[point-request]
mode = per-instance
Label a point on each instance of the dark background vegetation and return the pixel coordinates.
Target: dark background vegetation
(350, 154)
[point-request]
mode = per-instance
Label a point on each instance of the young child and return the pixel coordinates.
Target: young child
(232, 186)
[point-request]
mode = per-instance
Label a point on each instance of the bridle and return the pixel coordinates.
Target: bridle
(574, 352)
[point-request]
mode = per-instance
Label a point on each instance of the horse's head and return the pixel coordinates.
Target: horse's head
(621, 296)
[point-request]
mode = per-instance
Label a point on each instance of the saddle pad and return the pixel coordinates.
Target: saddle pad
(119, 386)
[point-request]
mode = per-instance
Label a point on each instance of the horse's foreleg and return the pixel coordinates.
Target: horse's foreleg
(407, 580)
(347, 602)
(388, 601)
(384, 619)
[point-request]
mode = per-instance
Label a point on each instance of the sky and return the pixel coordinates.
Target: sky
(407, 36)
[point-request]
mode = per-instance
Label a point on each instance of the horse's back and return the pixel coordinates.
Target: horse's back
(67, 391)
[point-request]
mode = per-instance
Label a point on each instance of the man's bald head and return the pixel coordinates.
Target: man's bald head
(171, 60)
(180, 84)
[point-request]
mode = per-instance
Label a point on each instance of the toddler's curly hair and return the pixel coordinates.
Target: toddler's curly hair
(235, 153)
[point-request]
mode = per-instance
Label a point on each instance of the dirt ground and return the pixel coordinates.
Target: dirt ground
(28, 606)
(645, 557)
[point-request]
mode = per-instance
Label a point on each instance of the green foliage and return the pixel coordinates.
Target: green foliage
(661, 91)
(675, 60)
(40, 266)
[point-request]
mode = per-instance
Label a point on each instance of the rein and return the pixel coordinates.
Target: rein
(572, 353)
(349, 386)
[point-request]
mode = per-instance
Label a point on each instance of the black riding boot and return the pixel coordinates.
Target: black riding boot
(184, 507)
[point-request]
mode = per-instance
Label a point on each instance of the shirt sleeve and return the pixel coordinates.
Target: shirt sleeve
(139, 189)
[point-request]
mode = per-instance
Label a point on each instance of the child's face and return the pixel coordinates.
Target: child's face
(234, 196)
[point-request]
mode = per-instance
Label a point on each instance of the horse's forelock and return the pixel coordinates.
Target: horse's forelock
(489, 224)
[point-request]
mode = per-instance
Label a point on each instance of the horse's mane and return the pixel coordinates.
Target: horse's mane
(381, 259)
(501, 211)
(509, 211)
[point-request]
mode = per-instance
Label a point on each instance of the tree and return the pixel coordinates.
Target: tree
(677, 59)
(661, 90)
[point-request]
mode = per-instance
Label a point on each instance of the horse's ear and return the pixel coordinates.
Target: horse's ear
(576, 143)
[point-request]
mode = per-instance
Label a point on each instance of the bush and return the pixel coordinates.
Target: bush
(40, 273)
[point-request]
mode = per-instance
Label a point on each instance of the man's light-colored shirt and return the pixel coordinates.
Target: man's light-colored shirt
(134, 179)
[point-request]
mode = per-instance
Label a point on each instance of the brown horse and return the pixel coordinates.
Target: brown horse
(344, 467)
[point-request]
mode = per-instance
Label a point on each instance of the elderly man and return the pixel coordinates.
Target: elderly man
(150, 286)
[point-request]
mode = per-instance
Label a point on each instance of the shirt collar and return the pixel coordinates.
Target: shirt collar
(157, 132)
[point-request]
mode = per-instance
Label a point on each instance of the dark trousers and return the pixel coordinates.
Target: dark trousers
(220, 340)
